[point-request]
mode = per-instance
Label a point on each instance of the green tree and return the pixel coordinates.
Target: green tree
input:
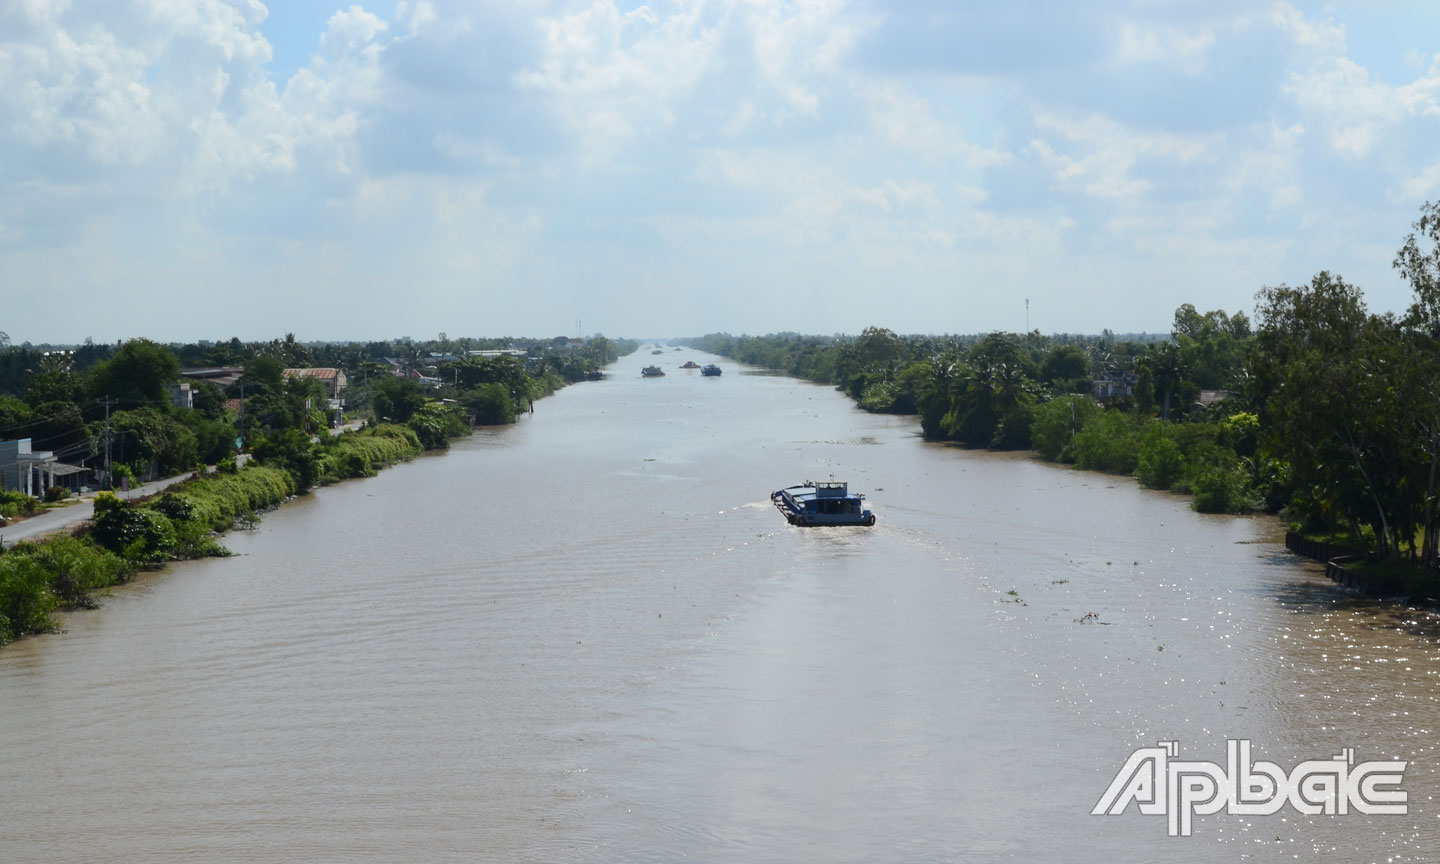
(139, 373)
(1322, 375)
(58, 426)
(54, 386)
(1066, 369)
(265, 373)
(396, 399)
(13, 416)
(1057, 422)
(288, 352)
(1167, 368)
(152, 441)
(1418, 260)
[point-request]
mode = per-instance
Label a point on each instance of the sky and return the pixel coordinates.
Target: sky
(202, 169)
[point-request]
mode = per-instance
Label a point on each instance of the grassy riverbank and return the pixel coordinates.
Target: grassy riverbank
(276, 412)
(184, 522)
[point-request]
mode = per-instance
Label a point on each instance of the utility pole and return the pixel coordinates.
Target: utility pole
(107, 402)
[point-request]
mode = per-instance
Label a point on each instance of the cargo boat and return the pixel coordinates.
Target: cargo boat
(819, 504)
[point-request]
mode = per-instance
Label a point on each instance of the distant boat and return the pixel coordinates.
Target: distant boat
(689, 364)
(710, 369)
(816, 504)
(657, 351)
(652, 372)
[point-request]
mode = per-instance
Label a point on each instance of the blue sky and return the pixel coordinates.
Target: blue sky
(188, 169)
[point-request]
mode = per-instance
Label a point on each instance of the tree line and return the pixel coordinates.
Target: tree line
(89, 403)
(1319, 409)
(76, 402)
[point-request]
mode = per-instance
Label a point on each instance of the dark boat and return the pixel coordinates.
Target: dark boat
(710, 369)
(819, 504)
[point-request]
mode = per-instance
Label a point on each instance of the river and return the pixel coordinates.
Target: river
(589, 637)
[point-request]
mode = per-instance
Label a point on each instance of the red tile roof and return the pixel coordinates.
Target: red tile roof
(318, 372)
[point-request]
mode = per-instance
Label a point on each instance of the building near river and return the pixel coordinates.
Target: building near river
(332, 379)
(23, 469)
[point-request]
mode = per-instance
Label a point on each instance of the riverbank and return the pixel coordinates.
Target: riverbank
(1400, 580)
(1213, 456)
(176, 521)
(79, 509)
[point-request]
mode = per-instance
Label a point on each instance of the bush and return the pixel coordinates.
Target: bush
(216, 501)
(435, 424)
(56, 493)
(137, 533)
(76, 567)
(1055, 424)
(1109, 441)
(17, 504)
(362, 453)
(1221, 489)
(491, 404)
(26, 600)
(105, 502)
(292, 450)
(173, 507)
(1160, 463)
(1012, 431)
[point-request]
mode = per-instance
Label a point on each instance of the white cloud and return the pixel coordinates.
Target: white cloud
(1108, 151)
(908, 122)
(353, 26)
(1141, 44)
(971, 195)
(417, 15)
(1356, 109)
(185, 99)
(1286, 197)
(226, 27)
(155, 139)
(1422, 186)
(1270, 164)
(1324, 37)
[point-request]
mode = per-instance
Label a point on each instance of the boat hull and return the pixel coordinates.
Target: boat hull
(821, 505)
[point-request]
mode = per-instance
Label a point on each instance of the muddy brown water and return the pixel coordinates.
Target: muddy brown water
(589, 637)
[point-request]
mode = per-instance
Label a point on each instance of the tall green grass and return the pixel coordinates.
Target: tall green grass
(362, 453)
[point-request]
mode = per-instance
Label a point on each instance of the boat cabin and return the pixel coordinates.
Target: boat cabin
(826, 503)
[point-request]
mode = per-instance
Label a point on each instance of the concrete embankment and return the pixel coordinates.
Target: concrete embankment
(1334, 557)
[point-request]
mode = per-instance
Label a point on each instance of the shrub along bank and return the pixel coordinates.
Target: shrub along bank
(39, 577)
